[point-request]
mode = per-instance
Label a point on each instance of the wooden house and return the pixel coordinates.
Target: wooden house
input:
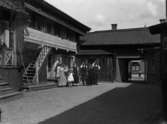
(162, 30)
(117, 50)
(12, 16)
(50, 34)
(33, 35)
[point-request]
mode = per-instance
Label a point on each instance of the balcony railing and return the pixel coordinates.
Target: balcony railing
(7, 58)
(38, 37)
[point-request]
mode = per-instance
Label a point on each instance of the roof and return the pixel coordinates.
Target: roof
(67, 16)
(11, 5)
(54, 12)
(156, 29)
(134, 36)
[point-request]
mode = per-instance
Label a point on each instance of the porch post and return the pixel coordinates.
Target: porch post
(72, 60)
(117, 71)
(37, 75)
(19, 35)
(14, 48)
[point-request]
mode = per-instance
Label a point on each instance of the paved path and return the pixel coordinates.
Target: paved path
(37, 106)
(136, 104)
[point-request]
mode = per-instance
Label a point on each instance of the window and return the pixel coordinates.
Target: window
(49, 28)
(63, 34)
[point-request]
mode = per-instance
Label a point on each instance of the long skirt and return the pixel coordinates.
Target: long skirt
(62, 81)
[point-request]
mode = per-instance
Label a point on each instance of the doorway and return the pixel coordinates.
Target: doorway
(137, 70)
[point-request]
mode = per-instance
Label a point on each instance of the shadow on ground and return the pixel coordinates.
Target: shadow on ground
(136, 104)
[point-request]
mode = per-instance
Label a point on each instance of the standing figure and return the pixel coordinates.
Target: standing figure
(84, 73)
(95, 71)
(70, 78)
(53, 71)
(62, 80)
(75, 73)
(90, 78)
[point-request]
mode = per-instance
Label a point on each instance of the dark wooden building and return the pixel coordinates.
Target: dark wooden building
(12, 16)
(50, 34)
(33, 34)
(118, 50)
(162, 30)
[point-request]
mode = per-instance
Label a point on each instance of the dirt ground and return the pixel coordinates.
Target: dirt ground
(136, 104)
(37, 106)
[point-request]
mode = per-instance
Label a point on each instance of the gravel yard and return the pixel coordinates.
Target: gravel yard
(37, 106)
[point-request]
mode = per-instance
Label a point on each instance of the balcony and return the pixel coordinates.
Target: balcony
(38, 37)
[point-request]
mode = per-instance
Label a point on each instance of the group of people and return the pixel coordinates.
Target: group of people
(66, 76)
(89, 73)
(86, 74)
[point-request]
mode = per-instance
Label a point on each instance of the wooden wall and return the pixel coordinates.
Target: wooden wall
(152, 58)
(13, 75)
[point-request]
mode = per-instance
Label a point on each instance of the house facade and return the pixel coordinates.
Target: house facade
(49, 35)
(12, 16)
(161, 29)
(34, 34)
(123, 54)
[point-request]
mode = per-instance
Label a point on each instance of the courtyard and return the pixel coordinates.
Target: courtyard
(105, 103)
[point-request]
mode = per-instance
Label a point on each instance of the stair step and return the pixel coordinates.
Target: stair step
(28, 74)
(28, 82)
(7, 92)
(4, 83)
(9, 95)
(27, 79)
(31, 68)
(5, 89)
(30, 71)
(5, 86)
(42, 86)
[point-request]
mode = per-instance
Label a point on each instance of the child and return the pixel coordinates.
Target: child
(70, 78)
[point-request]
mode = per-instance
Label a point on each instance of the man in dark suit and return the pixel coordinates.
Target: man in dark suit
(95, 71)
(84, 73)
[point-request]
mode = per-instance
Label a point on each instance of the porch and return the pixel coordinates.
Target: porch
(41, 50)
(10, 29)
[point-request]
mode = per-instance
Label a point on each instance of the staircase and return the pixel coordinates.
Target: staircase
(6, 91)
(31, 74)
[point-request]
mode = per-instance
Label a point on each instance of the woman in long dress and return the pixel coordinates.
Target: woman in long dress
(62, 80)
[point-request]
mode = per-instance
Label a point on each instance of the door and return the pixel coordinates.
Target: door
(107, 71)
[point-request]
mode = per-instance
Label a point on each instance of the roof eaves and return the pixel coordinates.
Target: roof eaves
(156, 29)
(86, 28)
(120, 30)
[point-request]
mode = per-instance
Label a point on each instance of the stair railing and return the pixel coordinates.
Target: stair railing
(38, 64)
(8, 57)
(26, 72)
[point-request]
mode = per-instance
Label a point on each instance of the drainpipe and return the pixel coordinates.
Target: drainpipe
(0, 115)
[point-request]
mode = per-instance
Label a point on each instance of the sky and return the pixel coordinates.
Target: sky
(100, 14)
